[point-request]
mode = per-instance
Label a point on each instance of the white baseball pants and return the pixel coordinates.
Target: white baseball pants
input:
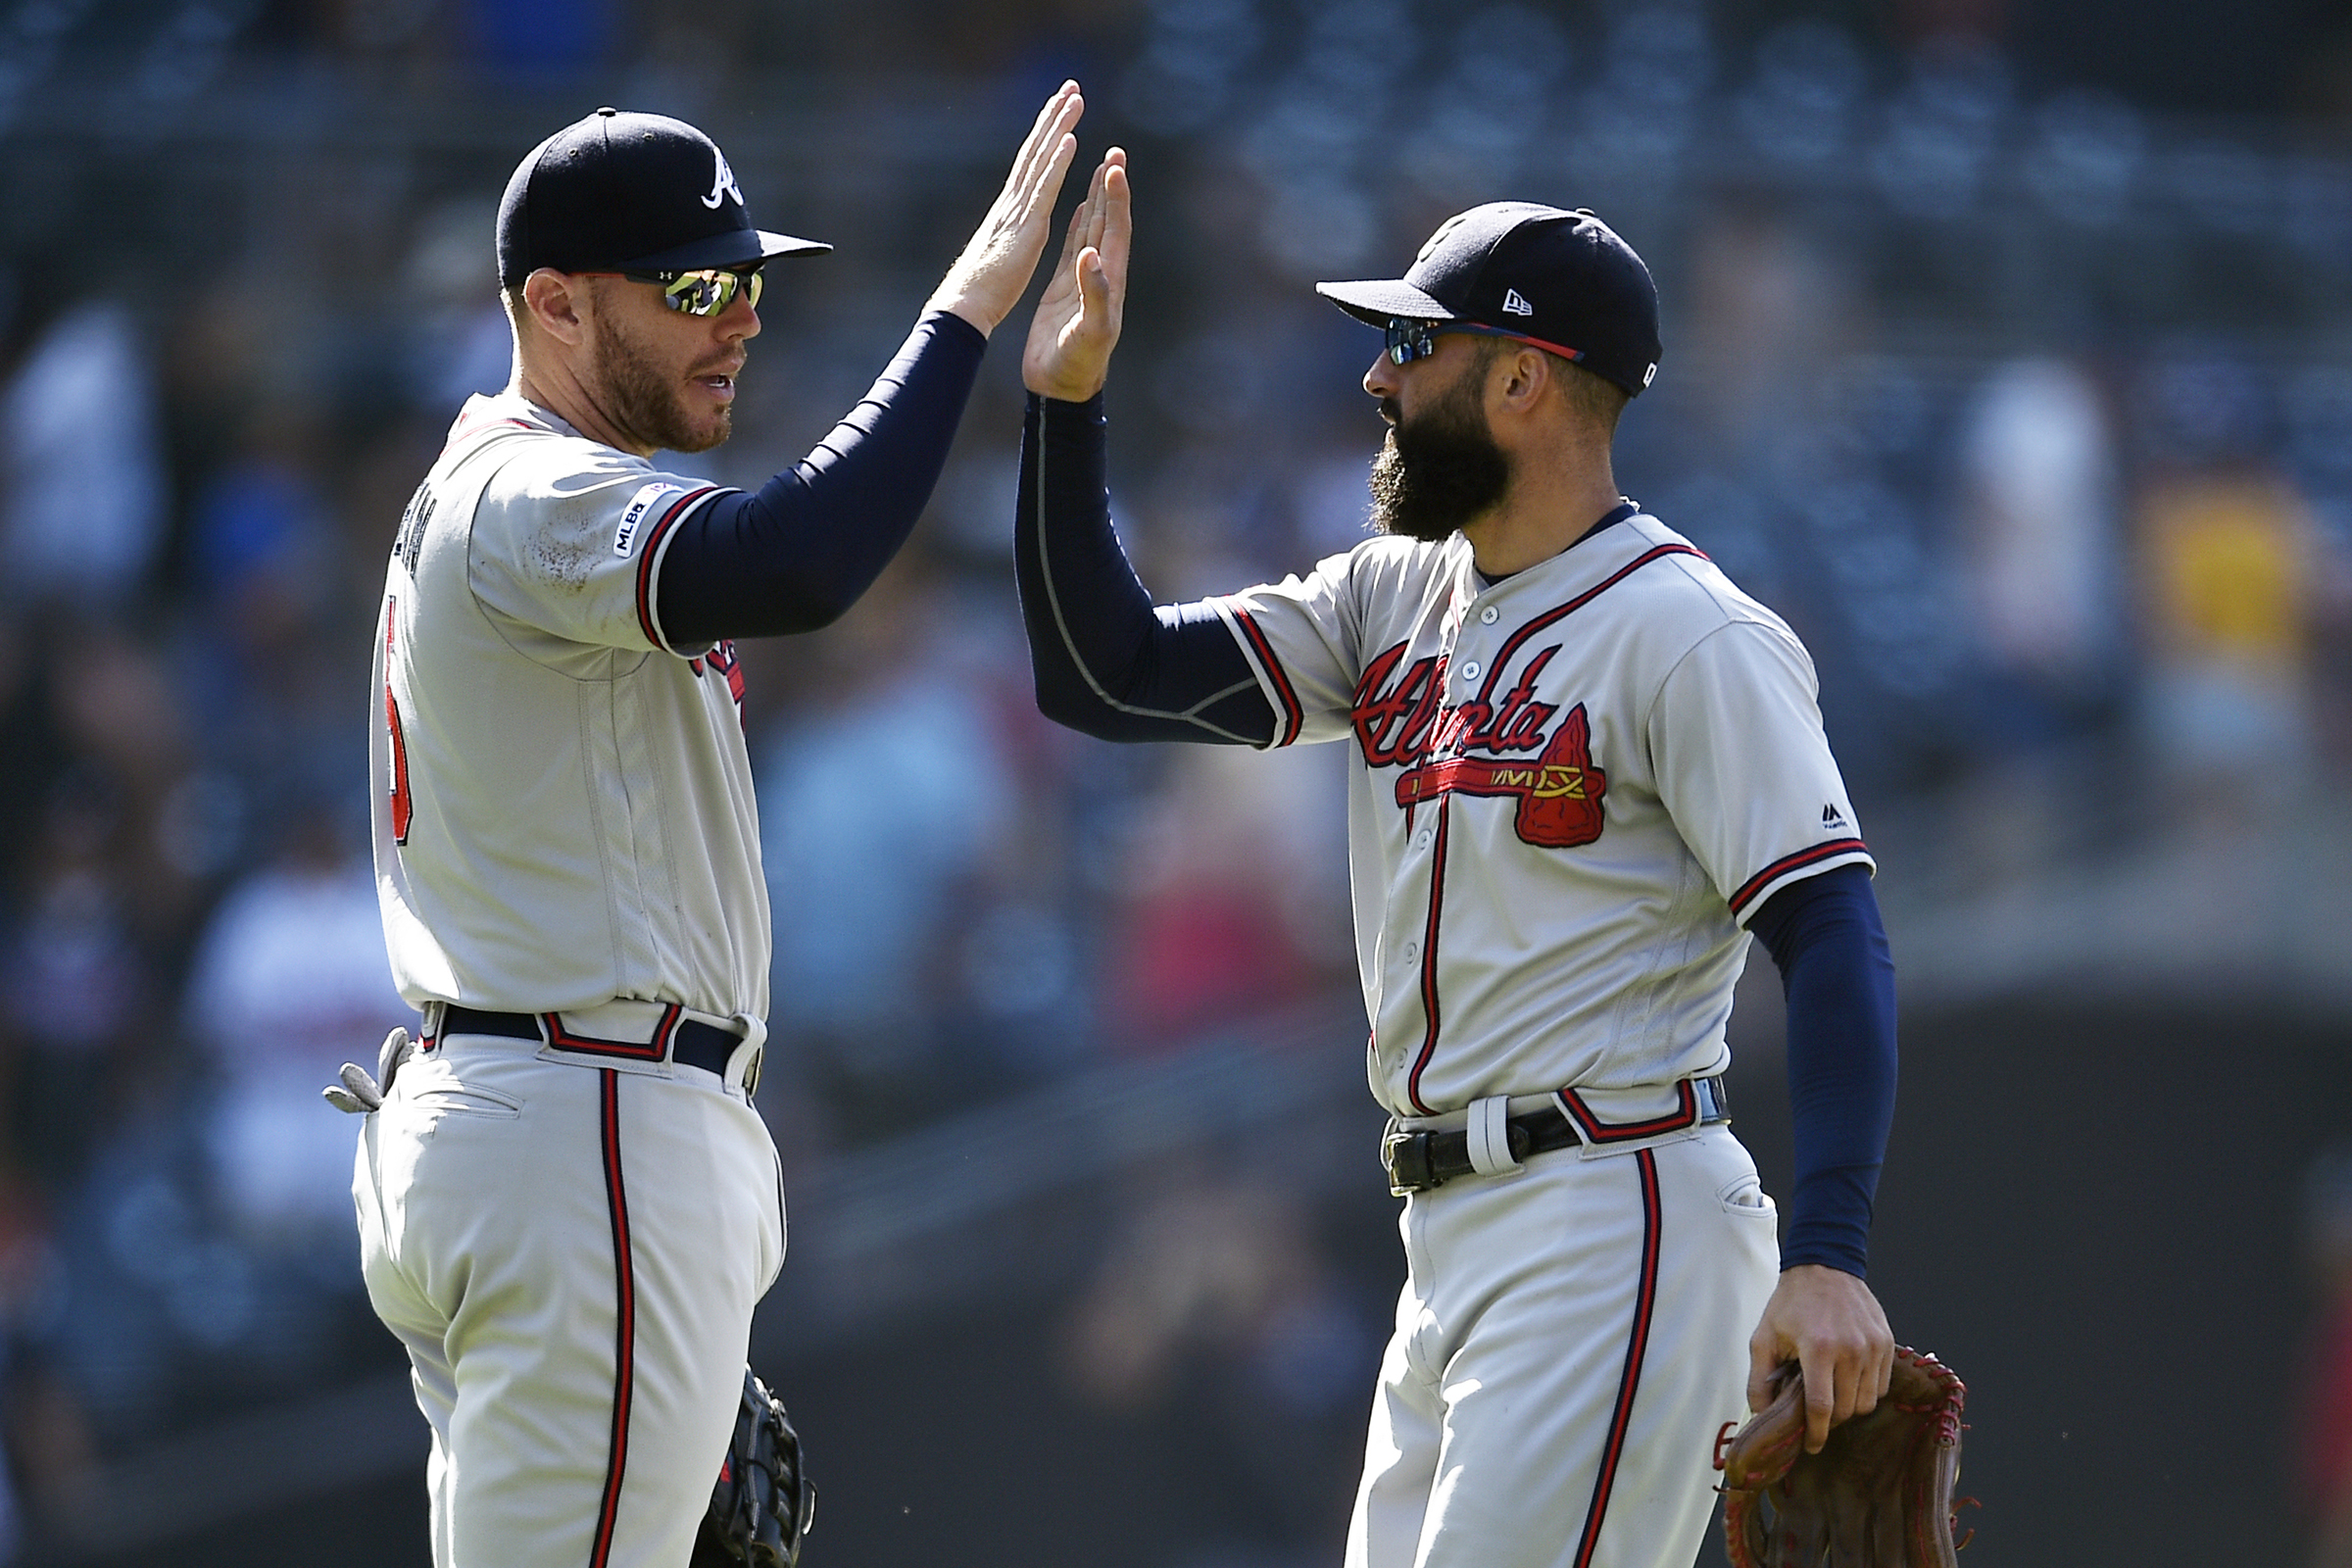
(570, 1255)
(1570, 1342)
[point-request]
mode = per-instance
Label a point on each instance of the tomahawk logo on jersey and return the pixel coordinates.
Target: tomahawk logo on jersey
(1615, 751)
(1559, 792)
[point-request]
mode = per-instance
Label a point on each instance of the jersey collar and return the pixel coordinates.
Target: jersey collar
(1626, 507)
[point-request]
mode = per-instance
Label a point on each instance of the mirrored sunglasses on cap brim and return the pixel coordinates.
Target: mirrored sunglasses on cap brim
(707, 291)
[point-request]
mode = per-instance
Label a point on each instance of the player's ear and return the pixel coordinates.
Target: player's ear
(553, 300)
(1526, 377)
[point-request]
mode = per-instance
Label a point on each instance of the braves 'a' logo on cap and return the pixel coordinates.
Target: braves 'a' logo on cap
(723, 184)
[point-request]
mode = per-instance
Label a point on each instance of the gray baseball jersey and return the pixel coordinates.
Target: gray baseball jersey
(563, 799)
(1570, 788)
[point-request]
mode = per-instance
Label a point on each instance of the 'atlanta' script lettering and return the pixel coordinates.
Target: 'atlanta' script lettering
(1400, 721)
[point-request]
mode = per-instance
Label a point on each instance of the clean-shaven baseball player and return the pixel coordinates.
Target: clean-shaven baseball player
(1584, 766)
(567, 1204)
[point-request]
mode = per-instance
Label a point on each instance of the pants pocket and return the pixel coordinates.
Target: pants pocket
(1745, 1196)
(463, 1100)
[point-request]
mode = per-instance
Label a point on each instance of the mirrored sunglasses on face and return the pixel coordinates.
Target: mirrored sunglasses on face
(1408, 339)
(706, 292)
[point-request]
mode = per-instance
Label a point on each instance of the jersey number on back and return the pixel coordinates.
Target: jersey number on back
(401, 807)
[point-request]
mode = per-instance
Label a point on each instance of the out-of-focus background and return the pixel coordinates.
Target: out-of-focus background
(2009, 355)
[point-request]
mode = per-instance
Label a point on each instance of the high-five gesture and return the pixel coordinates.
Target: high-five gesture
(989, 278)
(1077, 321)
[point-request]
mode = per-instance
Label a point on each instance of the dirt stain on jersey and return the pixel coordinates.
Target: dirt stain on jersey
(567, 560)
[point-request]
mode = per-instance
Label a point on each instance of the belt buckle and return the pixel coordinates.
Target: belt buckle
(1407, 1157)
(1713, 1103)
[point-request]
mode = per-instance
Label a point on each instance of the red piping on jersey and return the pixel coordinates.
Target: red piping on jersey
(654, 1049)
(1429, 960)
(624, 1349)
(1292, 717)
(645, 562)
(1597, 1131)
(466, 428)
(1646, 1301)
(1510, 647)
(1791, 862)
(404, 805)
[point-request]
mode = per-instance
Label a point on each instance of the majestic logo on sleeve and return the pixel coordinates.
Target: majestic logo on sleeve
(1483, 745)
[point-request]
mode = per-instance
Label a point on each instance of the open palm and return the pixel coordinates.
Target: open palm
(1078, 319)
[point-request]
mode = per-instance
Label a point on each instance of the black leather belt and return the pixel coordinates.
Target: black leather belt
(697, 1045)
(1420, 1161)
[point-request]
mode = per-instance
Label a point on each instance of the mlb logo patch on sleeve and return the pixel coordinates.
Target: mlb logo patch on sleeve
(641, 505)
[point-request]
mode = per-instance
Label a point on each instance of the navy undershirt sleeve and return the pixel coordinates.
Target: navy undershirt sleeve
(798, 551)
(1827, 938)
(1107, 662)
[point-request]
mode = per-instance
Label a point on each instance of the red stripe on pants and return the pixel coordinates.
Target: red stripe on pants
(1645, 1301)
(624, 1349)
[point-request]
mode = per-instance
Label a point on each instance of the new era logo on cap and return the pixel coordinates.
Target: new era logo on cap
(1587, 299)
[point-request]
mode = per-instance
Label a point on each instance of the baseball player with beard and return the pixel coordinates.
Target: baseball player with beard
(1584, 768)
(567, 1204)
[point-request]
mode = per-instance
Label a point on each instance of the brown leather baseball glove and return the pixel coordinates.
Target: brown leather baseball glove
(1878, 1495)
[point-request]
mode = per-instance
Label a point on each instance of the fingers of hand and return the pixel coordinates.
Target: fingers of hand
(1821, 1407)
(1094, 288)
(1051, 110)
(1091, 211)
(1763, 1358)
(1044, 156)
(1073, 240)
(1029, 208)
(1872, 1378)
(1051, 137)
(1118, 221)
(1059, 112)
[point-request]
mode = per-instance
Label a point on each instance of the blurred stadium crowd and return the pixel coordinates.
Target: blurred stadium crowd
(2031, 410)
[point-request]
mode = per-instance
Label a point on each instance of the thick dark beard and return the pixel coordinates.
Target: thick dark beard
(642, 406)
(1439, 470)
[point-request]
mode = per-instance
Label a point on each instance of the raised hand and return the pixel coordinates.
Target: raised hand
(1077, 321)
(990, 276)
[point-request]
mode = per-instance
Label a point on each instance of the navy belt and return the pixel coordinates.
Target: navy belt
(697, 1045)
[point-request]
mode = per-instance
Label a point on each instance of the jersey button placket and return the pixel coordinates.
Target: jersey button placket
(1488, 615)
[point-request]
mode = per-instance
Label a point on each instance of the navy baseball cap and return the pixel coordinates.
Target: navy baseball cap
(629, 193)
(1563, 280)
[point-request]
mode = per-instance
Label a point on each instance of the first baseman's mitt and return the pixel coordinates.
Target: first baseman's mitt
(1878, 1495)
(763, 1506)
